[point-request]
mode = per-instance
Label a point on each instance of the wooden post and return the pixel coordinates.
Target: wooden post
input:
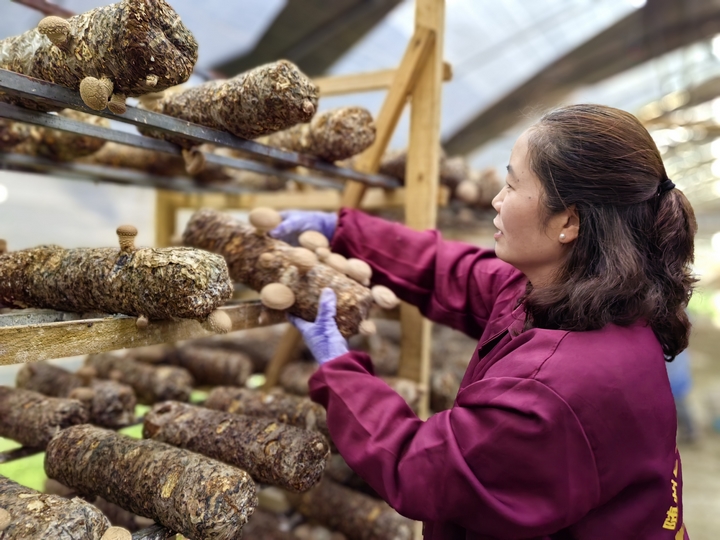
(421, 184)
(405, 79)
(165, 210)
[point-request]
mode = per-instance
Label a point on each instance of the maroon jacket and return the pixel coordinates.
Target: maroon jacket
(553, 435)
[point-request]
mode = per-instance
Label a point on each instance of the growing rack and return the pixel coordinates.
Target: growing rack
(42, 334)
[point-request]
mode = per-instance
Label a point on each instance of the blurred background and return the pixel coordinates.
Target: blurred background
(511, 60)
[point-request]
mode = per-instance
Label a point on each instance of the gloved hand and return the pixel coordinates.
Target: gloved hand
(296, 222)
(322, 337)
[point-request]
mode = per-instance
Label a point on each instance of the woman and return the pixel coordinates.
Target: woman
(564, 425)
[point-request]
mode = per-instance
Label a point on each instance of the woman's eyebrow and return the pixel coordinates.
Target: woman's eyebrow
(511, 172)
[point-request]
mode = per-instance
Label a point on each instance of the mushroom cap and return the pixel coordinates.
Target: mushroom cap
(83, 393)
(194, 160)
(265, 219)
(94, 93)
(87, 372)
(117, 104)
(116, 375)
(55, 28)
(303, 258)
(384, 297)
(142, 322)
(322, 253)
(359, 270)
(116, 533)
(467, 191)
(219, 322)
(313, 240)
(266, 259)
(337, 262)
(5, 519)
(367, 328)
(277, 296)
(126, 230)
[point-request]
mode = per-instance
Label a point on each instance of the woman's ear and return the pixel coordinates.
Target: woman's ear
(571, 224)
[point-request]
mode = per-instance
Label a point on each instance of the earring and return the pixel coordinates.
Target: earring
(562, 236)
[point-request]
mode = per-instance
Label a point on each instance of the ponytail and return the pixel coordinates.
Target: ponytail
(674, 229)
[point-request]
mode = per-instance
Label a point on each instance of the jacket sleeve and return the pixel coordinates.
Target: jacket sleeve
(452, 283)
(509, 460)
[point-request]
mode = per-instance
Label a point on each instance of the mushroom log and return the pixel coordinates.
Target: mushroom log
(107, 53)
(258, 260)
(33, 419)
(263, 100)
(31, 515)
(188, 493)
(164, 283)
(272, 452)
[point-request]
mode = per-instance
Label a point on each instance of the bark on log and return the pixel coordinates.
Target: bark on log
(263, 100)
(152, 162)
(271, 452)
(157, 283)
(293, 410)
(150, 383)
(452, 170)
(186, 492)
(265, 526)
(242, 247)
(109, 403)
(139, 45)
(257, 343)
(52, 143)
(357, 516)
(117, 516)
(120, 517)
(331, 135)
(213, 367)
(154, 532)
(33, 419)
(295, 376)
(39, 516)
(339, 471)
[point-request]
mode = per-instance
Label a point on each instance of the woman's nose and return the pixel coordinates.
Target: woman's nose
(497, 201)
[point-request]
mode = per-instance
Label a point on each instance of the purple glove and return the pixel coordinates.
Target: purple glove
(296, 222)
(322, 337)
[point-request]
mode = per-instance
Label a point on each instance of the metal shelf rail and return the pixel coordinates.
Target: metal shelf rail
(261, 158)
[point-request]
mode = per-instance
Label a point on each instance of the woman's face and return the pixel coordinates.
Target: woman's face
(524, 239)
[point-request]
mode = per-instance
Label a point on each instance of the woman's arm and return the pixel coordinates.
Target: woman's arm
(509, 460)
(452, 283)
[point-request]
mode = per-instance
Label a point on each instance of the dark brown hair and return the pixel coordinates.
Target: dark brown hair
(631, 259)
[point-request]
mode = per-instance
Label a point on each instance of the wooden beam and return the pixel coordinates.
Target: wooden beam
(46, 340)
(406, 76)
(364, 82)
(657, 28)
(326, 199)
(422, 184)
